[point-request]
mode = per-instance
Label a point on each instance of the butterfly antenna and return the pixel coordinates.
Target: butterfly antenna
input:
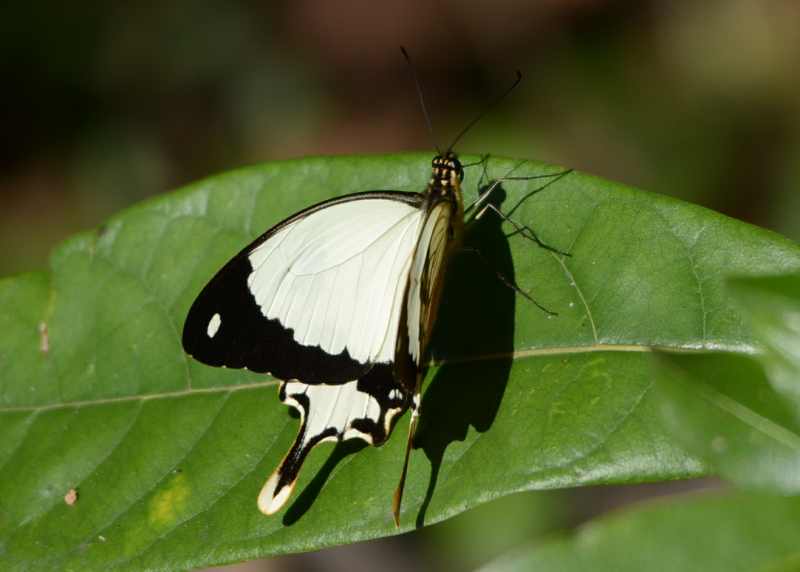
(486, 110)
(421, 98)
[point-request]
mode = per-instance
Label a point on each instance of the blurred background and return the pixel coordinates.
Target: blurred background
(105, 104)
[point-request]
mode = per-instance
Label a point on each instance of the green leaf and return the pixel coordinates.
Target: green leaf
(725, 533)
(772, 305)
(490, 530)
(723, 409)
(167, 455)
(739, 413)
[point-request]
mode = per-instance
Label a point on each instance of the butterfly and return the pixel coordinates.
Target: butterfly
(338, 301)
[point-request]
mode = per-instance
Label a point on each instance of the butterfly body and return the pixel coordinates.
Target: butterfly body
(338, 302)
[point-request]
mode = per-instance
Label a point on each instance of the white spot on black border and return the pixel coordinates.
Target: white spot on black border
(213, 325)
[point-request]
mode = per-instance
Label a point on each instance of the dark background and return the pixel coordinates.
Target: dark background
(104, 104)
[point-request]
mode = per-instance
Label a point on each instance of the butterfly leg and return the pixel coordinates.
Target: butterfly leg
(522, 229)
(485, 196)
(485, 185)
(554, 178)
(485, 190)
(482, 161)
(508, 282)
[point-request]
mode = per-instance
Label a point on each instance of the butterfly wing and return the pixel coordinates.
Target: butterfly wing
(439, 234)
(317, 302)
(365, 408)
(316, 298)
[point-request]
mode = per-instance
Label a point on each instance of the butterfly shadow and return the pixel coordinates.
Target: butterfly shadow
(474, 338)
(306, 498)
(476, 320)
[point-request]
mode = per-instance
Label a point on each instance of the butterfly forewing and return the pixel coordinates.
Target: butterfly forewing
(317, 297)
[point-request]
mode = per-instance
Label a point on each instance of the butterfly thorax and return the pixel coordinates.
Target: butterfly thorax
(446, 177)
(445, 186)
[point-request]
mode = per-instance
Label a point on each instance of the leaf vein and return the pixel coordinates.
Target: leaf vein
(156, 485)
(210, 506)
(144, 397)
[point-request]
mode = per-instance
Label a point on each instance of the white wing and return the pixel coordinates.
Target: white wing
(365, 409)
(427, 273)
(336, 277)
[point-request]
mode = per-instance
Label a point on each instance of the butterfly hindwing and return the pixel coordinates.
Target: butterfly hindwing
(366, 408)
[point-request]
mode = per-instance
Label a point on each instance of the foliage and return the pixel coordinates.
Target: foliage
(167, 455)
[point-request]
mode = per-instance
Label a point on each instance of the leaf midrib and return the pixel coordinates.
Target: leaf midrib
(515, 355)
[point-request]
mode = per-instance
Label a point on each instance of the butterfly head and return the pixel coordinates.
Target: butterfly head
(447, 172)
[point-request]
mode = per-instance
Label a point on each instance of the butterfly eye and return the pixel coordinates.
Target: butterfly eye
(455, 164)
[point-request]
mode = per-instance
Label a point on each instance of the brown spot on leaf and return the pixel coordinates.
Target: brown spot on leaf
(71, 497)
(44, 338)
